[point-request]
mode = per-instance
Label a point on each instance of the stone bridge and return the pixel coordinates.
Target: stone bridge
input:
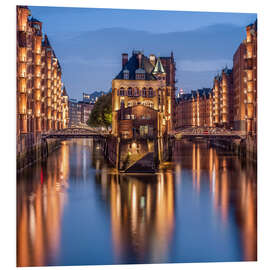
(209, 133)
(74, 132)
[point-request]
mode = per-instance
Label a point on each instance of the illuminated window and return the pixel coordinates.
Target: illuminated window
(122, 92)
(150, 92)
(144, 92)
(129, 91)
(136, 92)
(126, 74)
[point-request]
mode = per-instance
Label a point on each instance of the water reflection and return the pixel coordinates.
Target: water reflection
(142, 217)
(200, 207)
(232, 185)
(41, 198)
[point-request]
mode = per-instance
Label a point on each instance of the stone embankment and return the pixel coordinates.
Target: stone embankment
(32, 148)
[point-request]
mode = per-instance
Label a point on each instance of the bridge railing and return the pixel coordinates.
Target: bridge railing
(210, 131)
(72, 132)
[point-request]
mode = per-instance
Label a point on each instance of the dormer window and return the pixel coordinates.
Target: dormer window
(126, 74)
(140, 74)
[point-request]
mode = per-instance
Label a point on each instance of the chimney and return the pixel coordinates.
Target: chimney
(124, 59)
(140, 60)
(152, 59)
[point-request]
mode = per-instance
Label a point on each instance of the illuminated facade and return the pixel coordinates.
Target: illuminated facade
(183, 112)
(251, 77)
(233, 101)
(42, 103)
(194, 109)
(149, 85)
(93, 97)
(245, 82)
(223, 99)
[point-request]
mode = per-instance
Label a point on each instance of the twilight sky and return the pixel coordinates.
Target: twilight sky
(89, 42)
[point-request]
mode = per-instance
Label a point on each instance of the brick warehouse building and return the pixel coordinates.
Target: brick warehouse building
(207, 107)
(143, 96)
(233, 99)
(245, 82)
(194, 109)
(42, 102)
(223, 99)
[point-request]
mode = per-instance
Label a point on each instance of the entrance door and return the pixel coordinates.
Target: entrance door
(144, 130)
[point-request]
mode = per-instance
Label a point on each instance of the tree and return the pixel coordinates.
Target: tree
(101, 114)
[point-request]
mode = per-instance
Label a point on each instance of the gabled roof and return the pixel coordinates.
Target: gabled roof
(227, 70)
(34, 20)
(133, 64)
(253, 25)
(183, 97)
(159, 67)
(193, 94)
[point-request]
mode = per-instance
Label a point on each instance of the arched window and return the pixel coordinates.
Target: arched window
(122, 91)
(150, 92)
(136, 92)
(130, 92)
(144, 92)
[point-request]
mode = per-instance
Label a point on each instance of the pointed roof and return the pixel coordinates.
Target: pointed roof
(64, 92)
(159, 67)
(46, 41)
(34, 20)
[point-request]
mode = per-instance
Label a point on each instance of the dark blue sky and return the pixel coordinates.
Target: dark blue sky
(90, 53)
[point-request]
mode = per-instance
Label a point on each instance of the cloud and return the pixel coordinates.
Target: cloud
(203, 65)
(104, 63)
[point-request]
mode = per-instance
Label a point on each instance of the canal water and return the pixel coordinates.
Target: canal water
(74, 209)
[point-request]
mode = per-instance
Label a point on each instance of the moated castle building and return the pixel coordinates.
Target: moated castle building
(143, 96)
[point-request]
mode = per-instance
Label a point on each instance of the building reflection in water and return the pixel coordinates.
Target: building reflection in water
(233, 186)
(41, 196)
(142, 215)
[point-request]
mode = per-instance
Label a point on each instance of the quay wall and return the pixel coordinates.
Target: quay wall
(245, 148)
(122, 153)
(31, 148)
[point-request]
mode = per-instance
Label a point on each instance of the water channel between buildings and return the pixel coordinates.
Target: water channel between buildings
(74, 209)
